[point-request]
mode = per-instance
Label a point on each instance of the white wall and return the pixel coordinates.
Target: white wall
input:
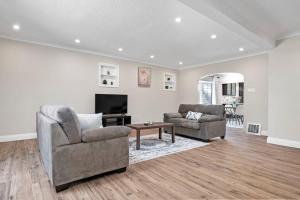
(254, 70)
(227, 78)
(284, 90)
(33, 75)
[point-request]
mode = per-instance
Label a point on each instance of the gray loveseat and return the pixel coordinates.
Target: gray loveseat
(68, 154)
(211, 124)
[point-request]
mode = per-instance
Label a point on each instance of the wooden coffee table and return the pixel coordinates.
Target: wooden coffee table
(159, 125)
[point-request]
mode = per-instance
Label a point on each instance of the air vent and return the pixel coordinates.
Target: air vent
(253, 128)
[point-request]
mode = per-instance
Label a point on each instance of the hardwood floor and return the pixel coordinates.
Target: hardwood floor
(239, 167)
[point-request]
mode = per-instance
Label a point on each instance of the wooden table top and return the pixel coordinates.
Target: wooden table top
(153, 125)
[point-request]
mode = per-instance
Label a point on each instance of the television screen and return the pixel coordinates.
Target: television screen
(110, 104)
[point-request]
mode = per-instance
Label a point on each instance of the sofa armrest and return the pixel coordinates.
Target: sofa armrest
(172, 115)
(106, 133)
(210, 118)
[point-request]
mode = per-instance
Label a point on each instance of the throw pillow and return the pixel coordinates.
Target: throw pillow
(90, 121)
(67, 118)
(193, 115)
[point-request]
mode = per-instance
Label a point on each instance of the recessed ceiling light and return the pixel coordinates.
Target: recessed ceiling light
(180, 63)
(77, 41)
(16, 27)
(214, 36)
(152, 56)
(241, 49)
(120, 49)
(178, 19)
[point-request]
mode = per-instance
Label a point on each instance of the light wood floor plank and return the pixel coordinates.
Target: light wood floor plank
(240, 167)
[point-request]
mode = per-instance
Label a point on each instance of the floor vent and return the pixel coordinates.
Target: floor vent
(254, 128)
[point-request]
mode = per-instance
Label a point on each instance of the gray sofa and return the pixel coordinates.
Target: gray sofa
(69, 154)
(211, 124)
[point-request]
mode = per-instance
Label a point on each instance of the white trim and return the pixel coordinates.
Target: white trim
(15, 137)
(133, 60)
(86, 52)
(296, 34)
(224, 60)
(283, 142)
(148, 63)
(264, 133)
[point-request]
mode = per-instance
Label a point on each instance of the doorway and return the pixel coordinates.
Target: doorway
(225, 89)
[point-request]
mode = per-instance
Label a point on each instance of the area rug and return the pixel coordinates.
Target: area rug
(152, 147)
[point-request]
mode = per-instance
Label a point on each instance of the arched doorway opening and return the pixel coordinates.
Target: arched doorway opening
(225, 89)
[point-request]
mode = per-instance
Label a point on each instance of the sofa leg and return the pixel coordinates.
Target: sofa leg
(62, 187)
(222, 137)
(121, 170)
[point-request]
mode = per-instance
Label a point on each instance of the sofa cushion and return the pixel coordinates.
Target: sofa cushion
(172, 115)
(185, 108)
(67, 119)
(211, 109)
(106, 133)
(186, 123)
(210, 118)
(90, 121)
(176, 121)
(207, 109)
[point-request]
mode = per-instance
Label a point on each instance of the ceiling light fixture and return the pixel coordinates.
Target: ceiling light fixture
(180, 63)
(152, 56)
(214, 36)
(16, 27)
(178, 19)
(77, 41)
(241, 49)
(120, 49)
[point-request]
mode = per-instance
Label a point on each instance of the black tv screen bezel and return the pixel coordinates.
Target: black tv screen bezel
(99, 110)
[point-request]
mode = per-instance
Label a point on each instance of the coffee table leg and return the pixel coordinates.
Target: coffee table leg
(138, 139)
(173, 134)
(159, 136)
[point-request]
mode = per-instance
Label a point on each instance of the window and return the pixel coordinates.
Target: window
(206, 92)
(229, 89)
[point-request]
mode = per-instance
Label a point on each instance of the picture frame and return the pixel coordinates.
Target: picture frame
(144, 76)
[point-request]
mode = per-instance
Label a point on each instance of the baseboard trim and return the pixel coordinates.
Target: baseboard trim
(283, 142)
(264, 132)
(16, 137)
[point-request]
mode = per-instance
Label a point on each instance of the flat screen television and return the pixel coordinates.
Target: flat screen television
(111, 103)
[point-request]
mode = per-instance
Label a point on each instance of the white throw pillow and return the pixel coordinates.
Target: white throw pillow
(90, 121)
(193, 115)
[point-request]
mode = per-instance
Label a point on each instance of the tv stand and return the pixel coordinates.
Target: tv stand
(116, 120)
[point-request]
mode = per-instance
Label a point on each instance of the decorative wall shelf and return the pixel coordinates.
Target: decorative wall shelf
(169, 82)
(108, 75)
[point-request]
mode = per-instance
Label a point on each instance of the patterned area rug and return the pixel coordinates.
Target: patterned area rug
(152, 147)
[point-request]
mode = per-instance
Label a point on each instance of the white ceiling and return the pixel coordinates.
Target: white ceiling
(146, 27)
(274, 19)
